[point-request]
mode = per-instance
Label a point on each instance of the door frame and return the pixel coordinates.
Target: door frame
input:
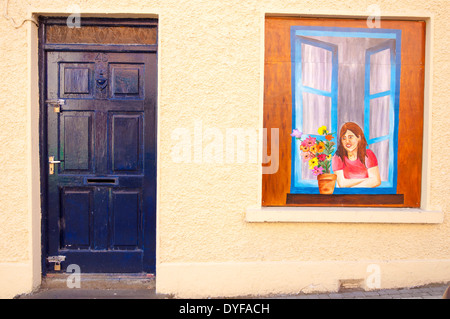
(43, 48)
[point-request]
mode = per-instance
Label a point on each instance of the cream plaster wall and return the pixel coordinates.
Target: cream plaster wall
(211, 78)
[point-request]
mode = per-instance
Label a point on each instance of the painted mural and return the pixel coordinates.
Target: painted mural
(345, 84)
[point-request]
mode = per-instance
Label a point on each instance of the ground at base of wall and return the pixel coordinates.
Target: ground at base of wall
(143, 287)
(432, 291)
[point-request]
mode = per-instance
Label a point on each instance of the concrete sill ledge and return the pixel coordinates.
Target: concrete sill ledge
(343, 215)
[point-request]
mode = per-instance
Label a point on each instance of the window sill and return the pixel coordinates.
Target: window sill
(343, 215)
(344, 199)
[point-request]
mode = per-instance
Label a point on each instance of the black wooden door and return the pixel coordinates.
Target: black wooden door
(101, 196)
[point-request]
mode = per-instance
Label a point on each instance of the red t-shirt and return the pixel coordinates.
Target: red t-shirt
(355, 169)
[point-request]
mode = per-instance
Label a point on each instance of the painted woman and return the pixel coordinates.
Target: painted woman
(354, 164)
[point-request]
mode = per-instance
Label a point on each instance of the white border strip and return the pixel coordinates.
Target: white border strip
(343, 215)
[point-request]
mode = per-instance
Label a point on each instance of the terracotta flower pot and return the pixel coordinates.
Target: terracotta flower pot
(327, 182)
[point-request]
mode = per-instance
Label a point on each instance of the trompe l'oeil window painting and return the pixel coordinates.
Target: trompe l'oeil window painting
(345, 91)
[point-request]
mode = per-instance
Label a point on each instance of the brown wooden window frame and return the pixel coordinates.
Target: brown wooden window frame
(278, 115)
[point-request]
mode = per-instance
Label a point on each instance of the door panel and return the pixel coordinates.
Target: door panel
(127, 219)
(76, 142)
(101, 197)
(76, 218)
(77, 80)
(127, 81)
(126, 143)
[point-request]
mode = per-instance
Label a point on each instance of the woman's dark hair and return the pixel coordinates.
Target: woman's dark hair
(355, 129)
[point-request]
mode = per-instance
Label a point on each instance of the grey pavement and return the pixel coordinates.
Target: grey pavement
(433, 291)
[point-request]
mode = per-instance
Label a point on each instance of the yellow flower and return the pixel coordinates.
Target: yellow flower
(320, 147)
(313, 149)
(329, 157)
(323, 130)
(313, 163)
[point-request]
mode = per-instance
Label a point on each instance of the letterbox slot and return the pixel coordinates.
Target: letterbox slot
(111, 181)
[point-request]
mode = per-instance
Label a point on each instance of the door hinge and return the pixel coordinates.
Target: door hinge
(56, 104)
(57, 260)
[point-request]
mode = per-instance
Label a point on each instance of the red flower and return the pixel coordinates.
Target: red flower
(329, 137)
(321, 157)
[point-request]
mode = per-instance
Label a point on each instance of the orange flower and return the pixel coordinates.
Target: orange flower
(304, 148)
(320, 147)
(313, 149)
(329, 137)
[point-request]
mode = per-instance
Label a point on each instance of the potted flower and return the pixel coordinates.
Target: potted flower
(318, 152)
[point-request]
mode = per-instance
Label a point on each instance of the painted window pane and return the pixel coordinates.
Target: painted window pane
(307, 173)
(379, 116)
(316, 67)
(380, 71)
(381, 150)
(316, 112)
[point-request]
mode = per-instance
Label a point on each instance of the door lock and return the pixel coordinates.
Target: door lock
(56, 104)
(51, 166)
(57, 260)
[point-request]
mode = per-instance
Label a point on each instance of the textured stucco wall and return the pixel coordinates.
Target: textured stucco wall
(210, 78)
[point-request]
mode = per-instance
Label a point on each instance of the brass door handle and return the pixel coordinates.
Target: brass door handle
(51, 166)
